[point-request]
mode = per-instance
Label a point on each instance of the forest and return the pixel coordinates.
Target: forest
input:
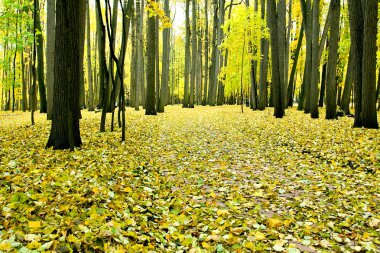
(189, 126)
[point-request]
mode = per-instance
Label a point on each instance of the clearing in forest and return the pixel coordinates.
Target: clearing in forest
(192, 180)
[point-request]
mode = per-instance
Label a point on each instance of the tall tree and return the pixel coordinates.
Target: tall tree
(356, 31)
(40, 58)
(193, 52)
(187, 56)
(151, 70)
(264, 51)
(276, 83)
(332, 62)
(204, 101)
(314, 113)
(89, 65)
(65, 131)
(369, 115)
(165, 62)
(50, 43)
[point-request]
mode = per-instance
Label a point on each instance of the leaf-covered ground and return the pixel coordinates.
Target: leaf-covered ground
(192, 180)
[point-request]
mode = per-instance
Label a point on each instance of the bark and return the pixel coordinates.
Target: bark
(151, 58)
(104, 76)
(291, 86)
(50, 43)
(314, 113)
(193, 53)
(187, 56)
(332, 61)
(345, 102)
(206, 80)
(276, 82)
(356, 31)
(369, 115)
(65, 131)
(281, 24)
(165, 62)
(40, 59)
(287, 58)
(24, 85)
(323, 86)
(214, 58)
(264, 48)
(89, 66)
(102, 56)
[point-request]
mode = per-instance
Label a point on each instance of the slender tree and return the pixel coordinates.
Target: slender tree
(369, 115)
(50, 43)
(40, 58)
(332, 62)
(151, 70)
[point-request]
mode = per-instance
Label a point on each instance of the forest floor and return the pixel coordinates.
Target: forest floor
(192, 180)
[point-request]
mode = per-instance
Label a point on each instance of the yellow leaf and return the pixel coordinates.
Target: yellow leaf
(5, 246)
(222, 212)
(249, 245)
(127, 189)
(34, 224)
(259, 236)
(274, 223)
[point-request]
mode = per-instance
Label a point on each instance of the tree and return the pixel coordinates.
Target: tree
(150, 104)
(89, 66)
(314, 113)
(165, 62)
(332, 62)
(369, 115)
(276, 82)
(193, 53)
(204, 101)
(187, 57)
(40, 58)
(65, 132)
(50, 43)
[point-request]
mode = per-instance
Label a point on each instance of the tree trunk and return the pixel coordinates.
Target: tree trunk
(193, 53)
(281, 19)
(204, 101)
(103, 72)
(276, 82)
(323, 86)
(187, 56)
(332, 61)
(50, 43)
(291, 86)
(24, 85)
(264, 48)
(40, 58)
(345, 102)
(214, 58)
(165, 62)
(102, 56)
(314, 113)
(65, 132)
(356, 31)
(89, 66)
(369, 115)
(151, 71)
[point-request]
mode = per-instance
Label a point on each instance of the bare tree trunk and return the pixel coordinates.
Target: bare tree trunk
(206, 81)
(332, 61)
(40, 58)
(187, 57)
(151, 60)
(291, 86)
(50, 44)
(89, 66)
(345, 103)
(276, 83)
(165, 62)
(369, 115)
(314, 113)
(193, 53)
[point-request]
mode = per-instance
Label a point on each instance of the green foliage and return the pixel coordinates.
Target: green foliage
(244, 25)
